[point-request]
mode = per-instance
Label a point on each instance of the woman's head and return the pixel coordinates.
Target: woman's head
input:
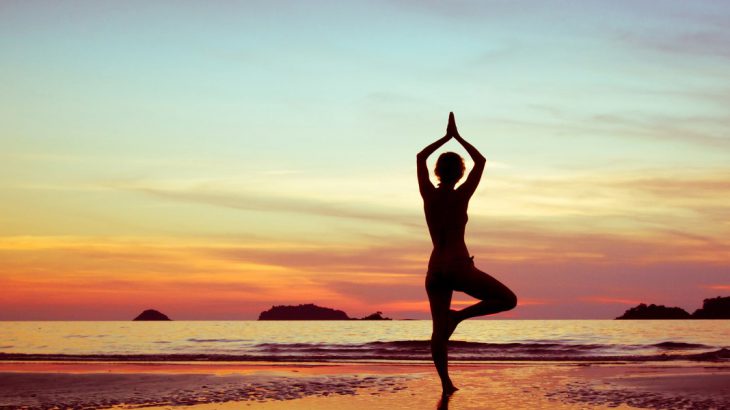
(449, 168)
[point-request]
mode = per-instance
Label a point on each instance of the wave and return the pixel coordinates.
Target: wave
(409, 351)
(680, 346)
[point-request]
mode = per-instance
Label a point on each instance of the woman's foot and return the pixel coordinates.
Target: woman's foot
(449, 389)
(452, 323)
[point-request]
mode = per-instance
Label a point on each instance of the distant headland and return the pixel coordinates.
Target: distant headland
(311, 312)
(151, 314)
(715, 308)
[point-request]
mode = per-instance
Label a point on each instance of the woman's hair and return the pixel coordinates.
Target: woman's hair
(450, 168)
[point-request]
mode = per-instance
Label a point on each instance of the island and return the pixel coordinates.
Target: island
(714, 308)
(375, 316)
(655, 312)
(311, 311)
(302, 312)
(151, 314)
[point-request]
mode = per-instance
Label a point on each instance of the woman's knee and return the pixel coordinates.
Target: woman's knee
(509, 300)
(438, 332)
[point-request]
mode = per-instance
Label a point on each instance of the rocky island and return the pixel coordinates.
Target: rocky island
(302, 312)
(375, 316)
(714, 308)
(311, 311)
(151, 314)
(655, 312)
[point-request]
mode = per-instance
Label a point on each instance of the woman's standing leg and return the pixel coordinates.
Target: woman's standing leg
(439, 298)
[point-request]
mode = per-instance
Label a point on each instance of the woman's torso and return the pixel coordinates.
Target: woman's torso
(446, 216)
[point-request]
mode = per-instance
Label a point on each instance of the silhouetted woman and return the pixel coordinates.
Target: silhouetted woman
(451, 267)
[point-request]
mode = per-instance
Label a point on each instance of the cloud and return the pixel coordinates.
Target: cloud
(375, 294)
(391, 258)
(479, 12)
(204, 278)
(702, 131)
(667, 194)
(609, 300)
(554, 239)
(696, 43)
(705, 130)
(388, 97)
(260, 201)
(643, 215)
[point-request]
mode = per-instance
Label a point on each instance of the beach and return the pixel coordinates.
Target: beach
(79, 385)
(497, 364)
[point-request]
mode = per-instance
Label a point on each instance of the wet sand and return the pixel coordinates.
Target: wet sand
(204, 386)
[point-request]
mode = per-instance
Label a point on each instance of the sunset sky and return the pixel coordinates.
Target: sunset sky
(211, 159)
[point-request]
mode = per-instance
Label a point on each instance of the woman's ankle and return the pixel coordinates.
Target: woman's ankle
(448, 387)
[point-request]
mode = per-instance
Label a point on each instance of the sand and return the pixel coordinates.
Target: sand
(204, 386)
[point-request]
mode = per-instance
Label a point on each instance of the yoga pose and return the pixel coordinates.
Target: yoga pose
(450, 267)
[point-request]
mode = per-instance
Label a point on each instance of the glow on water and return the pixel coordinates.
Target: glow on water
(238, 337)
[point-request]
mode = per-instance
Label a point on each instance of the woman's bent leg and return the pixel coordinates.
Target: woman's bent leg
(440, 299)
(494, 296)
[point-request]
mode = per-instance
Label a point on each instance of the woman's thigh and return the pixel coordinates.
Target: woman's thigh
(480, 285)
(439, 297)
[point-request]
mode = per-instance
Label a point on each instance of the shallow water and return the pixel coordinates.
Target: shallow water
(475, 340)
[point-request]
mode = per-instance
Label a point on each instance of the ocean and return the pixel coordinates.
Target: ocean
(366, 341)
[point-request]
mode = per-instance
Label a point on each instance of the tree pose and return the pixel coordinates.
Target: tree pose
(450, 267)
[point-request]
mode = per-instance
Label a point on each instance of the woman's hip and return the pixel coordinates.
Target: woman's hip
(445, 272)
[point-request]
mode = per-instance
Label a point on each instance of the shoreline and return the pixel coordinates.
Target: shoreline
(206, 385)
(714, 355)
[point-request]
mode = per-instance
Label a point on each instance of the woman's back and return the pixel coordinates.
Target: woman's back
(446, 216)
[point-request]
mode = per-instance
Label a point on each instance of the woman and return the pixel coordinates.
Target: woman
(451, 267)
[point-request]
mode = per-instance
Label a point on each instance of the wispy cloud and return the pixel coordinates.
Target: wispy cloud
(198, 277)
(697, 43)
(703, 131)
(260, 201)
(692, 130)
(610, 300)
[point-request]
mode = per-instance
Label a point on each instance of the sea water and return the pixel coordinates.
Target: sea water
(398, 340)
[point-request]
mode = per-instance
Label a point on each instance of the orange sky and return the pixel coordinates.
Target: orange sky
(210, 162)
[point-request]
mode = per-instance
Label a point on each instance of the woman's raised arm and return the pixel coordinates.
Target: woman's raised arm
(475, 175)
(424, 183)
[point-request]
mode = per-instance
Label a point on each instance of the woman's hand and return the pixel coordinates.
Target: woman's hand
(451, 128)
(451, 131)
